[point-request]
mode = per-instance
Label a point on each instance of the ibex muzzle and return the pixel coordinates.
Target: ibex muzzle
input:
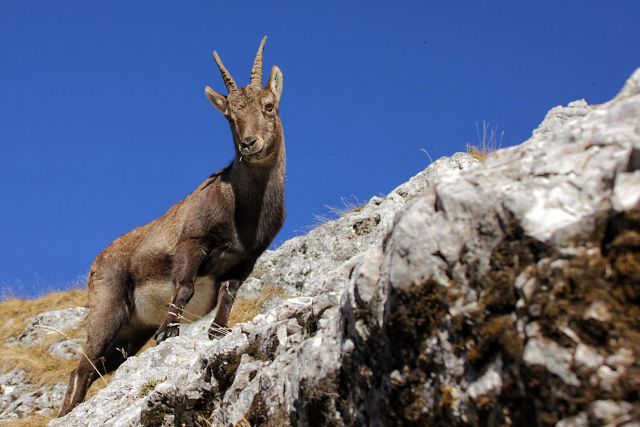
(193, 258)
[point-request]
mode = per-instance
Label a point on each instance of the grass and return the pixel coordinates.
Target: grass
(489, 140)
(41, 367)
(349, 204)
(246, 309)
(424, 150)
(35, 421)
(46, 370)
(19, 311)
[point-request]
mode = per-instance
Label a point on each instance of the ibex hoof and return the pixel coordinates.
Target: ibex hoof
(166, 331)
(216, 332)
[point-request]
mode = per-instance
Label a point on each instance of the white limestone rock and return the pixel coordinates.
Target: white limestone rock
(44, 324)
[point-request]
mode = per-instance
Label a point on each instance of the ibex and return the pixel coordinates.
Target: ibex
(199, 252)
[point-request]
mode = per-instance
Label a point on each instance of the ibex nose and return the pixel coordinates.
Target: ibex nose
(248, 141)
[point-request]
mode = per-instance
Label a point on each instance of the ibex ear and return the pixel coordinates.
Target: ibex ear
(218, 101)
(275, 82)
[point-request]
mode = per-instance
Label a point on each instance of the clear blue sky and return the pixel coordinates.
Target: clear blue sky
(104, 124)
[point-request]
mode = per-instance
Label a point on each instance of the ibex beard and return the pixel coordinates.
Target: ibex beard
(195, 257)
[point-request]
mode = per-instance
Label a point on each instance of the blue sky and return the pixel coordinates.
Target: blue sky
(104, 123)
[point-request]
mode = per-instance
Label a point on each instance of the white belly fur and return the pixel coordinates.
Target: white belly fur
(152, 299)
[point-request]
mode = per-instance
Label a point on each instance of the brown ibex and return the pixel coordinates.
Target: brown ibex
(199, 252)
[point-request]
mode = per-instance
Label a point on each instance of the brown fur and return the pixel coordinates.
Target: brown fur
(202, 247)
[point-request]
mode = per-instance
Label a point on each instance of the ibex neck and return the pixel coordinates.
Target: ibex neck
(259, 198)
(251, 181)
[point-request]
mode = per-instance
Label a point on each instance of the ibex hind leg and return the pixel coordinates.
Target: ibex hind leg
(106, 318)
(128, 342)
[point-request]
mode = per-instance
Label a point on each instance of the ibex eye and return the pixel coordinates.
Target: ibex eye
(269, 107)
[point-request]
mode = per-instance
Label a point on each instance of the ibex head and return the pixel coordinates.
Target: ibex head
(252, 111)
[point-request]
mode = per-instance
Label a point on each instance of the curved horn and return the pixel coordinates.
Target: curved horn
(226, 76)
(256, 70)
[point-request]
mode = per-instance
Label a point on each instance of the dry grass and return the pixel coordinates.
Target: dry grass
(35, 421)
(243, 423)
(489, 140)
(41, 367)
(99, 385)
(18, 311)
(349, 204)
(44, 369)
(246, 309)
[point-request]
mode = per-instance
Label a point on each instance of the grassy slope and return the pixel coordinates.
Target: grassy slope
(44, 369)
(41, 367)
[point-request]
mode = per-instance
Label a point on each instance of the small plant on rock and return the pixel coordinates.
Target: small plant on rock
(489, 140)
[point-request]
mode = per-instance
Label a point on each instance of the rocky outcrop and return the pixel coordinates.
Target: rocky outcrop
(20, 399)
(500, 293)
(313, 270)
(50, 323)
(20, 394)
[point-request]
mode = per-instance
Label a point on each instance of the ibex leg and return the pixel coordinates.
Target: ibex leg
(104, 323)
(189, 256)
(226, 297)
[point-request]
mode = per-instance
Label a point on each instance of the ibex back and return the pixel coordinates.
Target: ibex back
(194, 257)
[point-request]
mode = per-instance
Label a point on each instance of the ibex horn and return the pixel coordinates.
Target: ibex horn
(256, 70)
(226, 76)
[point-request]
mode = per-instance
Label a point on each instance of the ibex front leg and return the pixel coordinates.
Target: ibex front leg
(188, 258)
(226, 297)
